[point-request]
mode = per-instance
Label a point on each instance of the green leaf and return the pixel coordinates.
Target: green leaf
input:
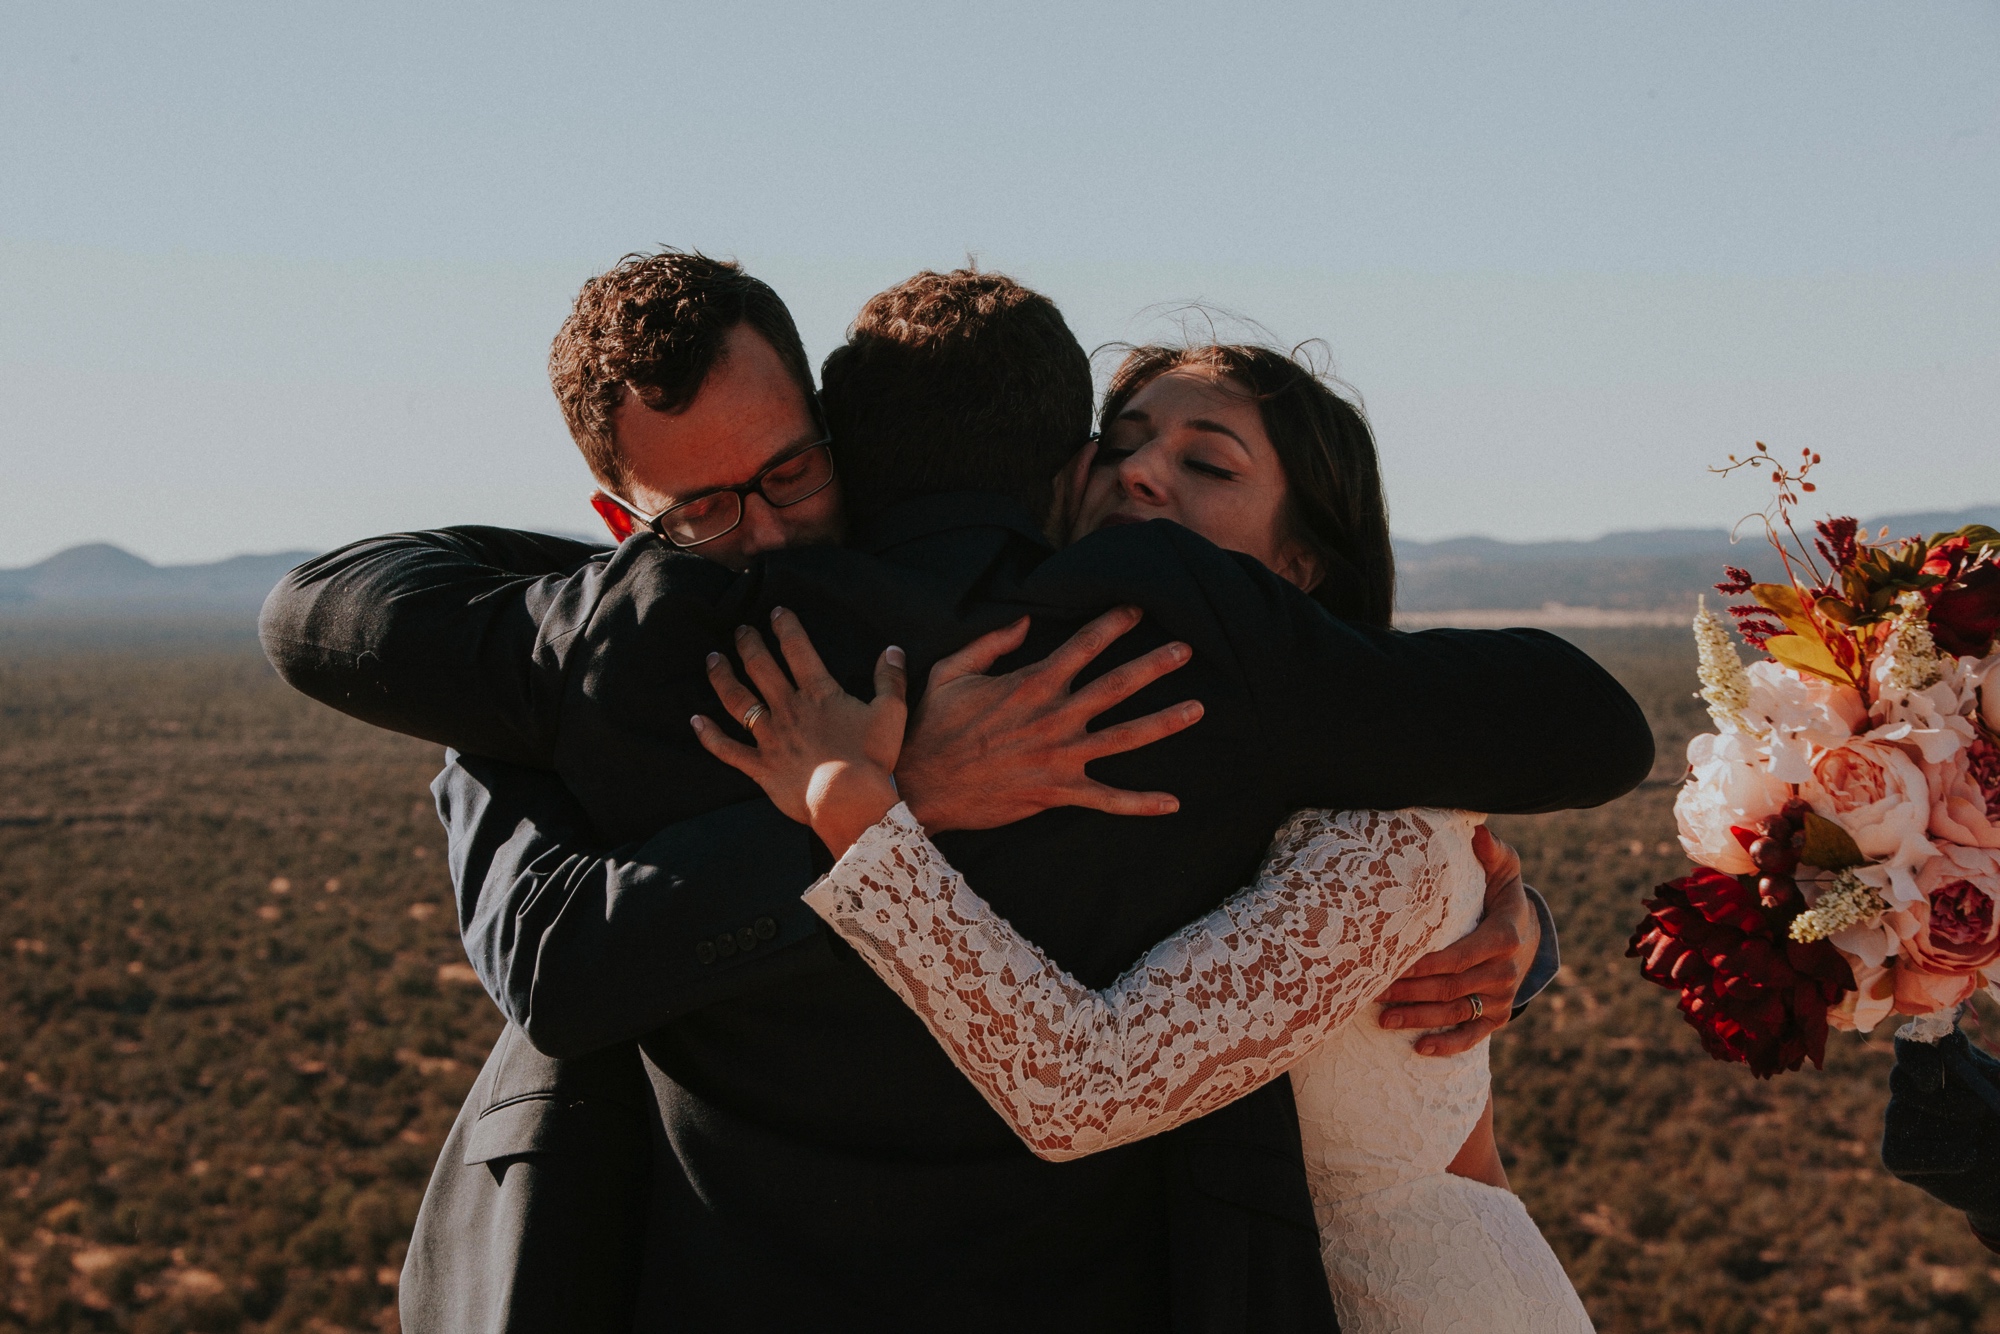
(1828, 846)
(1977, 534)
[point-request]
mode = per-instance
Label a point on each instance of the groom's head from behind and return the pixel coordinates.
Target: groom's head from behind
(959, 381)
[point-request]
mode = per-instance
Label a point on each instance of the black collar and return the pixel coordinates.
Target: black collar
(922, 516)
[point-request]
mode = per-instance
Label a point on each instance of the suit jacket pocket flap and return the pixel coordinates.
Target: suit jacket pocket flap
(524, 1125)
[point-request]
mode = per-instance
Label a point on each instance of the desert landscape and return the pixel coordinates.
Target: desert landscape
(238, 1024)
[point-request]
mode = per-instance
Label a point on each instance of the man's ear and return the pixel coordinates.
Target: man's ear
(615, 518)
(1069, 494)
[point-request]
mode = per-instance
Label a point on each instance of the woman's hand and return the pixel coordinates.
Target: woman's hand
(823, 757)
(989, 750)
(1490, 962)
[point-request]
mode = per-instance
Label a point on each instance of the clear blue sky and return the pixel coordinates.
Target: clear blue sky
(274, 278)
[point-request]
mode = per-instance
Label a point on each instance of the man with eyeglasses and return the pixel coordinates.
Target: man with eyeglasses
(687, 390)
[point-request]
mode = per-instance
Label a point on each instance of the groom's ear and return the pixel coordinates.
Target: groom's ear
(1069, 494)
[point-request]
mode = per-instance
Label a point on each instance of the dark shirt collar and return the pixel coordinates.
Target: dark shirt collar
(922, 516)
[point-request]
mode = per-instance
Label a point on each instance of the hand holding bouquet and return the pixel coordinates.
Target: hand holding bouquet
(1846, 811)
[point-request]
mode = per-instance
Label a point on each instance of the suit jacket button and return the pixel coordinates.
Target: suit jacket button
(725, 945)
(746, 939)
(765, 928)
(705, 952)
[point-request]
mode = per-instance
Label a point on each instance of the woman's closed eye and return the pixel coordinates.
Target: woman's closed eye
(1211, 470)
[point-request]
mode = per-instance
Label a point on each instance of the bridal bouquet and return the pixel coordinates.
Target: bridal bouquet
(1845, 813)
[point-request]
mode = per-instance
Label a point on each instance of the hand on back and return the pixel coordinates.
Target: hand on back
(983, 750)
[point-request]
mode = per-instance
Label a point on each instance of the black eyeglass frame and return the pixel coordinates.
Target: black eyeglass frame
(655, 523)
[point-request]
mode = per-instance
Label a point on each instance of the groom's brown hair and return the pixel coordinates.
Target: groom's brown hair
(959, 381)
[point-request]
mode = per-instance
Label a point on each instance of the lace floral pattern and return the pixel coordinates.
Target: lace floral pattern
(1345, 902)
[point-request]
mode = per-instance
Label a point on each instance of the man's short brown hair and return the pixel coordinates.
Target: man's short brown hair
(960, 381)
(656, 324)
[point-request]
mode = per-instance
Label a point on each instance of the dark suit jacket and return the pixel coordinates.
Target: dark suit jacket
(1942, 1130)
(535, 1215)
(812, 1122)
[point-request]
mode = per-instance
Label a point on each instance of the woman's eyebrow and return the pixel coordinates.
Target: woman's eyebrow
(1217, 428)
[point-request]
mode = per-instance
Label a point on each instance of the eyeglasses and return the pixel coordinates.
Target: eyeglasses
(799, 475)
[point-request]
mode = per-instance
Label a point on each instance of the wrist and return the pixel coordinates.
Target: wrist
(845, 799)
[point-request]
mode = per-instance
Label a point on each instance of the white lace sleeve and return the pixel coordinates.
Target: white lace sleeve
(1345, 902)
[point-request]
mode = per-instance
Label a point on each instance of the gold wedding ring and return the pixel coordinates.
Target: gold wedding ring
(752, 716)
(1478, 1006)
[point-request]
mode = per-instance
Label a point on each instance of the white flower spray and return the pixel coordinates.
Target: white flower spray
(1725, 685)
(1909, 660)
(1848, 902)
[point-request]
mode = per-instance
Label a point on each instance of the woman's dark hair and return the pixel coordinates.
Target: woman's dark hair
(1334, 500)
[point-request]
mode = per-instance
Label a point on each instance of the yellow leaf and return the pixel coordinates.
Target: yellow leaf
(1784, 601)
(1807, 655)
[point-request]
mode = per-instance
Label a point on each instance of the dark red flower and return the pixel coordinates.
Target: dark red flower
(1753, 994)
(1965, 614)
(1739, 581)
(1838, 541)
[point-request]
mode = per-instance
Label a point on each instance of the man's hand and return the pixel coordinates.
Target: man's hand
(1490, 963)
(985, 751)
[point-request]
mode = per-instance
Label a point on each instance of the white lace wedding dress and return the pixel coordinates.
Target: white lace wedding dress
(1264, 985)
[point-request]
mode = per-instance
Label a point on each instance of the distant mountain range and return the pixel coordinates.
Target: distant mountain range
(1632, 575)
(100, 579)
(1660, 571)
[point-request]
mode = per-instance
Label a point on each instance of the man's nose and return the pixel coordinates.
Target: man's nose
(762, 529)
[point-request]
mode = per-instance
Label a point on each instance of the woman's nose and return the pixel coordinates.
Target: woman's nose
(1138, 476)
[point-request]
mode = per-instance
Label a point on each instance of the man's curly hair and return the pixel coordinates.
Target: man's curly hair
(960, 381)
(655, 324)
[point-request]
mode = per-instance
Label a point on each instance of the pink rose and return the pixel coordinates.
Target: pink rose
(1949, 939)
(1987, 674)
(1877, 794)
(1730, 785)
(1965, 796)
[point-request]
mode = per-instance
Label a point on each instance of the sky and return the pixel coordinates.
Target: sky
(278, 277)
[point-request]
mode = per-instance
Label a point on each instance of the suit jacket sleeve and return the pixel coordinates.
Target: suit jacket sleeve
(1359, 716)
(584, 947)
(457, 636)
(1942, 1129)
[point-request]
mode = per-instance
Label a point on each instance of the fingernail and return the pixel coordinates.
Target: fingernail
(894, 655)
(776, 612)
(743, 632)
(714, 658)
(1392, 1019)
(1180, 652)
(697, 722)
(1168, 805)
(1191, 710)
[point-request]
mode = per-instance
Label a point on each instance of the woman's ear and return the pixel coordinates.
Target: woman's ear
(1300, 565)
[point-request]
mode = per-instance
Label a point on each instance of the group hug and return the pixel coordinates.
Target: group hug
(971, 853)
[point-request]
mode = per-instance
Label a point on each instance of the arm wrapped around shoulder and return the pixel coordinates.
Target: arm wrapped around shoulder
(452, 636)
